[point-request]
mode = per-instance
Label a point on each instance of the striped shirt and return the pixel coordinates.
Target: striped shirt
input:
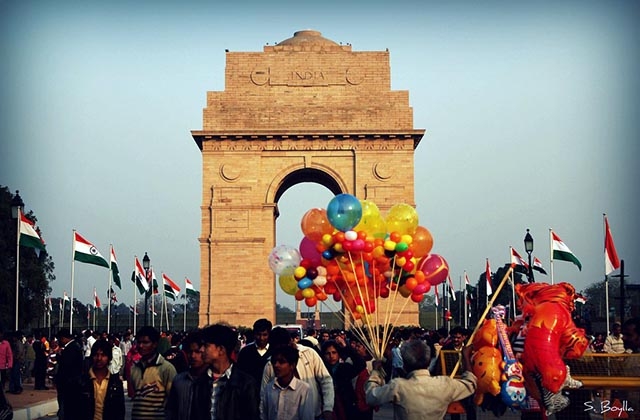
(218, 387)
(152, 383)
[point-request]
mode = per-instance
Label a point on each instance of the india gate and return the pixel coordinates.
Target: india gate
(304, 110)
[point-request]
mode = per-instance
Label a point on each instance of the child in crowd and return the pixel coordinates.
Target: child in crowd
(286, 397)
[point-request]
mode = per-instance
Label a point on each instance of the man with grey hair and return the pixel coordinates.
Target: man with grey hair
(419, 395)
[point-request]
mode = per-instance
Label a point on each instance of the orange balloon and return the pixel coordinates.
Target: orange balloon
(411, 283)
(422, 242)
(311, 301)
(315, 224)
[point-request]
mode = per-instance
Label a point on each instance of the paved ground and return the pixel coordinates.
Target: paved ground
(31, 405)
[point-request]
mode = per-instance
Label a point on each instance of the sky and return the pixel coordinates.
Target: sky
(530, 111)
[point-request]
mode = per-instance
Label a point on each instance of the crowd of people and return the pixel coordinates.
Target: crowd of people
(216, 373)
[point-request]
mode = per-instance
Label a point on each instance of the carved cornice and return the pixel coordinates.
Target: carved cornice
(207, 140)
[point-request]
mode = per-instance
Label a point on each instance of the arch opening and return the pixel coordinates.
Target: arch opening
(307, 175)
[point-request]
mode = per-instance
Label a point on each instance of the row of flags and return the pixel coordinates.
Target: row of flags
(146, 282)
(560, 251)
(84, 251)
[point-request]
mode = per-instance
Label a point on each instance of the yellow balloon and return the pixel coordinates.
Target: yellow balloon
(308, 292)
(288, 284)
(372, 221)
(402, 218)
(300, 272)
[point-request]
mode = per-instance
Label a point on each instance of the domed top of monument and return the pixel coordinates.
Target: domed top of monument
(308, 36)
(308, 40)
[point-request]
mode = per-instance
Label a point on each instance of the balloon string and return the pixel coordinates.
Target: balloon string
(370, 347)
(391, 304)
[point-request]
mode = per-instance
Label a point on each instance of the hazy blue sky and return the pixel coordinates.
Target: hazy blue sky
(531, 112)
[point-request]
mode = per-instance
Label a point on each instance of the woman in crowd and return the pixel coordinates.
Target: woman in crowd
(342, 374)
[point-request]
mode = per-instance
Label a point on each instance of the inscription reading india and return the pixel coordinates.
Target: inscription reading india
(307, 75)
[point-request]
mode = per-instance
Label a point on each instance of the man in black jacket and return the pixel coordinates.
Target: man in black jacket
(255, 355)
(68, 377)
(235, 394)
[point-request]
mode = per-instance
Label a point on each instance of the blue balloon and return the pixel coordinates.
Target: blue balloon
(304, 283)
(344, 212)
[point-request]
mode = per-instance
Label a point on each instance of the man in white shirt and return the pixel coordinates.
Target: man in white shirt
(115, 365)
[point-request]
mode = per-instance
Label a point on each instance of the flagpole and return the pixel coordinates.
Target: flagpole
(166, 308)
(153, 300)
(436, 315)
(466, 309)
(73, 266)
(109, 291)
(448, 306)
(135, 295)
(18, 263)
(163, 303)
(551, 252)
(466, 303)
(606, 277)
(184, 327)
(513, 294)
(460, 310)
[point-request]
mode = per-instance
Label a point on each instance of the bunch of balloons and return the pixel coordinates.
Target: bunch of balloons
(354, 255)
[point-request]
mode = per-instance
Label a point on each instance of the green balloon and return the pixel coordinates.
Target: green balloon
(288, 283)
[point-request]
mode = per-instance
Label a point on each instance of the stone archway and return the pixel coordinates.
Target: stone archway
(304, 110)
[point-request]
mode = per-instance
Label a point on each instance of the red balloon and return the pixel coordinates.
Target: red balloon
(422, 288)
(435, 268)
(417, 298)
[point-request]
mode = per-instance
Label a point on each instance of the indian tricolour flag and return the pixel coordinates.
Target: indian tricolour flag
(115, 273)
(85, 252)
(29, 237)
(171, 289)
(188, 287)
(562, 252)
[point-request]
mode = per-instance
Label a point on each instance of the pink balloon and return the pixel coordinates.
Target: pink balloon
(308, 251)
(435, 268)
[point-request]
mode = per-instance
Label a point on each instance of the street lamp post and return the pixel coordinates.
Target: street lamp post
(146, 264)
(528, 246)
(16, 208)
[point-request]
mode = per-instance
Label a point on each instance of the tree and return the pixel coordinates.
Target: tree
(36, 272)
